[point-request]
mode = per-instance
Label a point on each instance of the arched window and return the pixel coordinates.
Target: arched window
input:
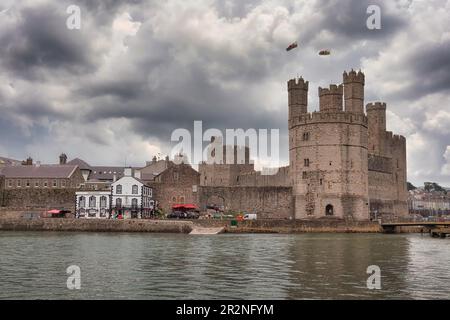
(103, 202)
(134, 189)
(174, 199)
(329, 210)
(92, 202)
(118, 202)
(119, 189)
(134, 203)
(181, 200)
(82, 202)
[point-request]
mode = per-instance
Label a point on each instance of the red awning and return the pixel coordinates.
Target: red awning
(54, 211)
(184, 206)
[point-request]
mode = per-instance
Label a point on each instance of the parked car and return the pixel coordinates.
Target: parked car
(192, 215)
(250, 216)
(176, 215)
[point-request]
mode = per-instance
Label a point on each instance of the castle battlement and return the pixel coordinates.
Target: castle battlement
(353, 76)
(398, 139)
(332, 90)
(376, 106)
(298, 83)
(331, 117)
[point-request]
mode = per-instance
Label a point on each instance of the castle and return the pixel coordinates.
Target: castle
(343, 164)
(343, 161)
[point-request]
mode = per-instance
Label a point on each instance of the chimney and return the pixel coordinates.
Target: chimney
(137, 174)
(114, 177)
(28, 162)
(62, 158)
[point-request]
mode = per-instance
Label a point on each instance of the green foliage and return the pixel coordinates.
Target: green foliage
(410, 186)
(434, 187)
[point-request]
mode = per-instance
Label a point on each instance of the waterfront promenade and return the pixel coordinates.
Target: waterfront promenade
(186, 226)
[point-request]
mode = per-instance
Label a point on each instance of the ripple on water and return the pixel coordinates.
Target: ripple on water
(171, 266)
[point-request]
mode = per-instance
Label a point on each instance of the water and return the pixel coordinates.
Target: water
(177, 266)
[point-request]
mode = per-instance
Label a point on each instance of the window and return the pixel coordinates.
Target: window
(82, 202)
(174, 199)
(55, 183)
(63, 183)
(134, 203)
(306, 162)
(321, 181)
(134, 189)
(36, 184)
(119, 189)
(119, 203)
(92, 202)
(304, 175)
(150, 192)
(10, 183)
(175, 176)
(28, 183)
(181, 199)
(19, 184)
(305, 136)
(45, 184)
(103, 202)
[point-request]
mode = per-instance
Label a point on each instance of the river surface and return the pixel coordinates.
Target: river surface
(230, 266)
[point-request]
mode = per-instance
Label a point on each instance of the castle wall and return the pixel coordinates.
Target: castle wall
(267, 202)
(281, 178)
(39, 198)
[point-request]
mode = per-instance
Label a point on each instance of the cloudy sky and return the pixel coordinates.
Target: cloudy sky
(115, 90)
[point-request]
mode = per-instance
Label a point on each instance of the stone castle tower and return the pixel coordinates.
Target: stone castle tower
(343, 162)
(328, 150)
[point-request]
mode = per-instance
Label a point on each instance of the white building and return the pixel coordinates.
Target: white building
(131, 198)
(127, 198)
(93, 204)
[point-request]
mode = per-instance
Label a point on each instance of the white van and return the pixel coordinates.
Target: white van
(250, 216)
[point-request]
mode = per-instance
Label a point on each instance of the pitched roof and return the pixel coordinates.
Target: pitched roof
(83, 165)
(106, 173)
(9, 162)
(42, 171)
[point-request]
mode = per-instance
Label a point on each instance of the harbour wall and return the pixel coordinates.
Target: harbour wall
(14, 223)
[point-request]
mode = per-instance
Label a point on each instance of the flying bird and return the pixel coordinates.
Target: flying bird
(292, 46)
(324, 52)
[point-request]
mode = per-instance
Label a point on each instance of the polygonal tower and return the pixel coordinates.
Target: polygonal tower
(354, 91)
(329, 160)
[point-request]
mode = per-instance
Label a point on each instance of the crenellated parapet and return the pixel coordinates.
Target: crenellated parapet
(353, 77)
(298, 83)
(375, 106)
(329, 117)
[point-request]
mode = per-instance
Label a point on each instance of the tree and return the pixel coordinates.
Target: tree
(410, 186)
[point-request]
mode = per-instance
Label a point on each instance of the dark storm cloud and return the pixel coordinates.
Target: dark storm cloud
(431, 68)
(175, 70)
(348, 19)
(40, 41)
